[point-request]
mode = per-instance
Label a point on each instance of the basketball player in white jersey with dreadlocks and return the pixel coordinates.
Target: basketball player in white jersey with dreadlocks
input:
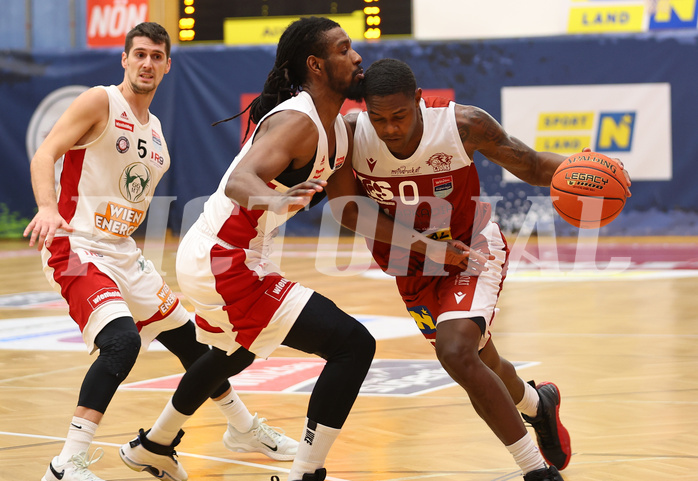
(244, 306)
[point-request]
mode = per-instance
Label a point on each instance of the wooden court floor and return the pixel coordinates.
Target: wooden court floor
(621, 345)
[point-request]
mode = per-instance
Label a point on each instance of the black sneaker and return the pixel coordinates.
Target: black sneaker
(546, 474)
(553, 438)
(318, 475)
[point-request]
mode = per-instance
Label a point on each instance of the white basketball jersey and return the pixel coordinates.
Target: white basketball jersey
(254, 229)
(106, 186)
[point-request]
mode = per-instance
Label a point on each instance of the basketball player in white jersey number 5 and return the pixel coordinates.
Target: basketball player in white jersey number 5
(115, 154)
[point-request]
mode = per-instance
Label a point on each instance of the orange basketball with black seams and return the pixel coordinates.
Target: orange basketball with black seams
(588, 190)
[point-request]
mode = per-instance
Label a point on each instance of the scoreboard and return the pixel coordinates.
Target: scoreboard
(202, 20)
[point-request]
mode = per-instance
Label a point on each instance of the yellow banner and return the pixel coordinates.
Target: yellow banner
(612, 18)
(268, 30)
(565, 120)
(562, 144)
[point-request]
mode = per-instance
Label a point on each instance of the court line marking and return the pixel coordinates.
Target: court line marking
(179, 453)
(44, 373)
(505, 477)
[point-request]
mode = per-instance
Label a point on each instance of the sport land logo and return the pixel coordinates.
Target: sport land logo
(631, 122)
(673, 14)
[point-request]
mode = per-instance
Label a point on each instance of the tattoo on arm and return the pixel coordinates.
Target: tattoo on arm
(478, 127)
(479, 131)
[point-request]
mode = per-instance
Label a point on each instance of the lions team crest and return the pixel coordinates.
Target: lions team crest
(135, 182)
(440, 162)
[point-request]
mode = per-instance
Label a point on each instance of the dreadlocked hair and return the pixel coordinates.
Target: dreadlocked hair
(301, 39)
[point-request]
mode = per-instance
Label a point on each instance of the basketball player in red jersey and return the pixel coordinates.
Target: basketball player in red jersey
(115, 154)
(413, 156)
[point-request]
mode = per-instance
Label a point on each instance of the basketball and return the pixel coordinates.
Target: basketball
(588, 190)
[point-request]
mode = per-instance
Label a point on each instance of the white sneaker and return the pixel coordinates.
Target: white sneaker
(261, 439)
(142, 454)
(75, 469)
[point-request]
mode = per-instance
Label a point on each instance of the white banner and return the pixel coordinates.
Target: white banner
(631, 122)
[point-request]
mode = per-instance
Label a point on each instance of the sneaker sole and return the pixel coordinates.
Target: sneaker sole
(562, 432)
(147, 467)
(246, 448)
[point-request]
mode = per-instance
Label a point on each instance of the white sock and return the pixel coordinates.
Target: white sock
(526, 454)
(79, 438)
(168, 425)
(313, 449)
(235, 411)
(529, 403)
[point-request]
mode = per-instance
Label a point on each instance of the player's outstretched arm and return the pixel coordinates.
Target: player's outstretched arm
(480, 132)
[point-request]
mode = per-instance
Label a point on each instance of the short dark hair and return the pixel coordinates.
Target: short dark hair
(389, 76)
(154, 31)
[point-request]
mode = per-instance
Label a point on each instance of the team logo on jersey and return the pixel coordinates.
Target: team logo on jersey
(135, 182)
(157, 159)
(440, 234)
(402, 170)
(157, 140)
(378, 190)
(443, 186)
(120, 124)
(339, 163)
(279, 290)
(168, 298)
(425, 321)
(318, 173)
(119, 220)
(371, 163)
(104, 295)
(122, 144)
(440, 162)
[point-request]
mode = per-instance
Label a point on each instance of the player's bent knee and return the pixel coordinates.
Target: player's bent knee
(182, 343)
(326, 331)
(119, 352)
(456, 354)
(357, 350)
(364, 344)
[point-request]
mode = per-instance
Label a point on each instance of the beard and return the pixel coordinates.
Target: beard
(353, 91)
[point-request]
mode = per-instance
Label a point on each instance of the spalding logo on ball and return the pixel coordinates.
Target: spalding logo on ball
(588, 190)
